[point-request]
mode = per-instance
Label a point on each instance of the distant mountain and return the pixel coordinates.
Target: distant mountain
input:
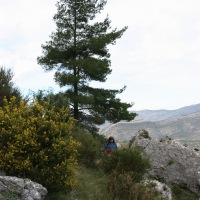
(183, 127)
(124, 131)
(182, 124)
(158, 115)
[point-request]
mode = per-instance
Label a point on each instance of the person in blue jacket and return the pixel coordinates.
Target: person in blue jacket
(110, 145)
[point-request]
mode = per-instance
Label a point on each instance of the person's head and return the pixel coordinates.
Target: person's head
(111, 139)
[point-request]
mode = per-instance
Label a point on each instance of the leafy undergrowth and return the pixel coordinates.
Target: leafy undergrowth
(92, 185)
(9, 196)
(181, 194)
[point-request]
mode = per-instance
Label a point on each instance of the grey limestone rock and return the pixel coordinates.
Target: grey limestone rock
(171, 161)
(2, 187)
(13, 184)
(163, 189)
(27, 189)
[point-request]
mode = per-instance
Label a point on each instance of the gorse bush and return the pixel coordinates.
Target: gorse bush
(126, 160)
(37, 143)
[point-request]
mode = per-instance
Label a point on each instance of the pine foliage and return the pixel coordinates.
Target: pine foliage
(7, 86)
(78, 52)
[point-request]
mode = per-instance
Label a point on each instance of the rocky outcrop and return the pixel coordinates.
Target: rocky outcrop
(171, 161)
(25, 188)
(163, 189)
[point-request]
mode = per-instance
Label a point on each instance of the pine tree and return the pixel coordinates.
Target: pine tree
(7, 86)
(79, 54)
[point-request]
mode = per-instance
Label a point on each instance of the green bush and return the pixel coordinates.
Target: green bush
(125, 169)
(123, 187)
(126, 160)
(180, 193)
(90, 149)
(8, 195)
(36, 142)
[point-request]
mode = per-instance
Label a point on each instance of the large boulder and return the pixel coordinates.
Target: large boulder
(171, 161)
(25, 188)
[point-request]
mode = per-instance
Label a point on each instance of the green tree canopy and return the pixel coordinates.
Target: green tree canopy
(56, 100)
(78, 51)
(7, 86)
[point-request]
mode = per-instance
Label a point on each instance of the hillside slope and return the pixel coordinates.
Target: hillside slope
(182, 124)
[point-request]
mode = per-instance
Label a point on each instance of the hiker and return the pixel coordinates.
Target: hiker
(110, 145)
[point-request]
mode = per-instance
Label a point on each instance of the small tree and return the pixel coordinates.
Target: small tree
(7, 87)
(57, 100)
(36, 142)
(79, 54)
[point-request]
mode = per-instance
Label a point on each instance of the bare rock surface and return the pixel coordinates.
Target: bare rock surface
(171, 161)
(163, 189)
(25, 188)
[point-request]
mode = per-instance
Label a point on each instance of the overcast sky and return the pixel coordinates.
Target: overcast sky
(157, 58)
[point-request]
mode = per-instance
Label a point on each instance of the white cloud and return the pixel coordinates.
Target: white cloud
(157, 57)
(25, 26)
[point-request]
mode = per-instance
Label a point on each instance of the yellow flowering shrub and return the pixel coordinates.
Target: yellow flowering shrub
(36, 142)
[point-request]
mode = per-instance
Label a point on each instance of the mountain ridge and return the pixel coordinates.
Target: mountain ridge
(162, 114)
(182, 124)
